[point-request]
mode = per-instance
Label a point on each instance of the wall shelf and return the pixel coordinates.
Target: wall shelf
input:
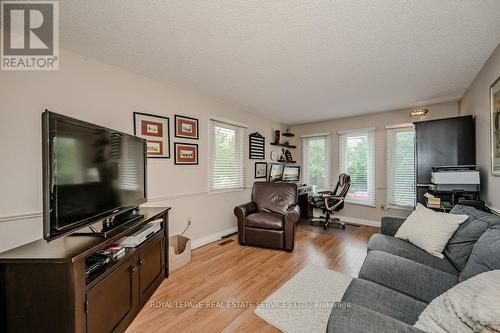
(283, 145)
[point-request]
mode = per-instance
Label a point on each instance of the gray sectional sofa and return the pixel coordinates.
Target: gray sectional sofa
(398, 280)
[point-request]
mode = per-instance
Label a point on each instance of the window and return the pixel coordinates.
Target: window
(401, 166)
(226, 156)
(357, 159)
(316, 160)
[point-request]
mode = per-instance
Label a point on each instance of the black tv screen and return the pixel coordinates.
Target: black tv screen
(90, 173)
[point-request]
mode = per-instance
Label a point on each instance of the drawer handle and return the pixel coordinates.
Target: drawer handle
(141, 262)
(132, 269)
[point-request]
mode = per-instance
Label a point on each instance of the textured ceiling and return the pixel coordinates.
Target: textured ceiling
(294, 61)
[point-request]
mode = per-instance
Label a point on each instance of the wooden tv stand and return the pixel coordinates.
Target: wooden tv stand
(43, 286)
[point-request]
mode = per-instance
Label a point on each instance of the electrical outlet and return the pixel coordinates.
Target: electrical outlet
(382, 206)
(189, 220)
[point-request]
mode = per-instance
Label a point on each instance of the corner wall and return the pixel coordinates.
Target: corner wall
(476, 101)
(107, 95)
(358, 213)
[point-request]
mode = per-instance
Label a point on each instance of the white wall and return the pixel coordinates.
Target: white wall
(476, 101)
(107, 95)
(379, 120)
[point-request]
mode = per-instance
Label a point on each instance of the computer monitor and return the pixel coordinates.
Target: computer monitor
(291, 173)
(276, 172)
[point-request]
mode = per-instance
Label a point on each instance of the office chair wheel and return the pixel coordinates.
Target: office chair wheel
(343, 226)
(325, 226)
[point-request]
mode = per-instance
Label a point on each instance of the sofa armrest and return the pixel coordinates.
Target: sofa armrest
(292, 214)
(406, 276)
(391, 224)
(354, 318)
(241, 212)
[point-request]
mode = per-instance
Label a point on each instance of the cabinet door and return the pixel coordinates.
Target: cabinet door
(113, 302)
(151, 268)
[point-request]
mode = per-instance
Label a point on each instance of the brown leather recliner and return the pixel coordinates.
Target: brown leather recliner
(270, 220)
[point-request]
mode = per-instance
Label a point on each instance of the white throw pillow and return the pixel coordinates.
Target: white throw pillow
(470, 306)
(430, 230)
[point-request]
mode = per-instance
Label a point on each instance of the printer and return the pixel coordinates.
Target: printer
(455, 179)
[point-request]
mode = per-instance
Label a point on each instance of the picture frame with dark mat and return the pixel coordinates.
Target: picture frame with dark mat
(186, 127)
(260, 170)
(156, 130)
(185, 153)
(256, 146)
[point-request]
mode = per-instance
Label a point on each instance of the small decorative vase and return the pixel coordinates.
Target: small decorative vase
(277, 135)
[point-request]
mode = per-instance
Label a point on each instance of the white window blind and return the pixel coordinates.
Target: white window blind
(357, 159)
(226, 156)
(401, 167)
(316, 161)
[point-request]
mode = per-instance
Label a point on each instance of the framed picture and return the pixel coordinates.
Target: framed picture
(256, 146)
(156, 130)
(186, 153)
(495, 127)
(186, 127)
(260, 170)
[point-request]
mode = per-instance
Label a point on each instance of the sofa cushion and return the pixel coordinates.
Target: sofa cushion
(265, 220)
(485, 255)
(407, 250)
(383, 300)
(460, 244)
(358, 319)
(404, 275)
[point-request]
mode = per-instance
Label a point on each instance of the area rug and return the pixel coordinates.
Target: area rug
(304, 303)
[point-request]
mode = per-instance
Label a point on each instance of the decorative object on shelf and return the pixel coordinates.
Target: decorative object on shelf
(277, 137)
(273, 156)
(186, 153)
(156, 130)
(186, 127)
(288, 155)
(288, 134)
(257, 146)
(495, 127)
(422, 113)
(282, 157)
(260, 170)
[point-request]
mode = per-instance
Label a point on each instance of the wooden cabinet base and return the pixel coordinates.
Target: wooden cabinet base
(43, 286)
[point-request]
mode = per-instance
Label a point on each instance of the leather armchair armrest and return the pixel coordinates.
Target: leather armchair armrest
(241, 212)
(292, 216)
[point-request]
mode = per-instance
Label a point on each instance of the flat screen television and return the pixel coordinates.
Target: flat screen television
(90, 173)
(291, 173)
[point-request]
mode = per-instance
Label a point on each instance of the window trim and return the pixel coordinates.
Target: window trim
(305, 172)
(389, 204)
(371, 181)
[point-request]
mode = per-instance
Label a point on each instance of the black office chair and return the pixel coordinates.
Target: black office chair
(332, 201)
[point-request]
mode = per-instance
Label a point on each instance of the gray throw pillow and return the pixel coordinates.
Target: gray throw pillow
(460, 245)
(485, 254)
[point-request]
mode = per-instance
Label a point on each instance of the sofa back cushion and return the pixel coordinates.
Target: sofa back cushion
(274, 197)
(460, 245)
(485, 255)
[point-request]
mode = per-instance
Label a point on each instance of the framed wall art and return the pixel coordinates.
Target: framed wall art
(186, 153)
(257, 146)
(495, 127)
(260, 170)
(156, 130)
(186, 127)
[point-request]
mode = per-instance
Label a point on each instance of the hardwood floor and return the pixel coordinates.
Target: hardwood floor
(218, 290)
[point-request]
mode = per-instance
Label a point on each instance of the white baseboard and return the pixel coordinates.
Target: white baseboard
(355, 220)
(496, 211)
(196, 243)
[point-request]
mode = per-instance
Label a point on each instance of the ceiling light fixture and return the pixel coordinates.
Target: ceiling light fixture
(419, 112)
